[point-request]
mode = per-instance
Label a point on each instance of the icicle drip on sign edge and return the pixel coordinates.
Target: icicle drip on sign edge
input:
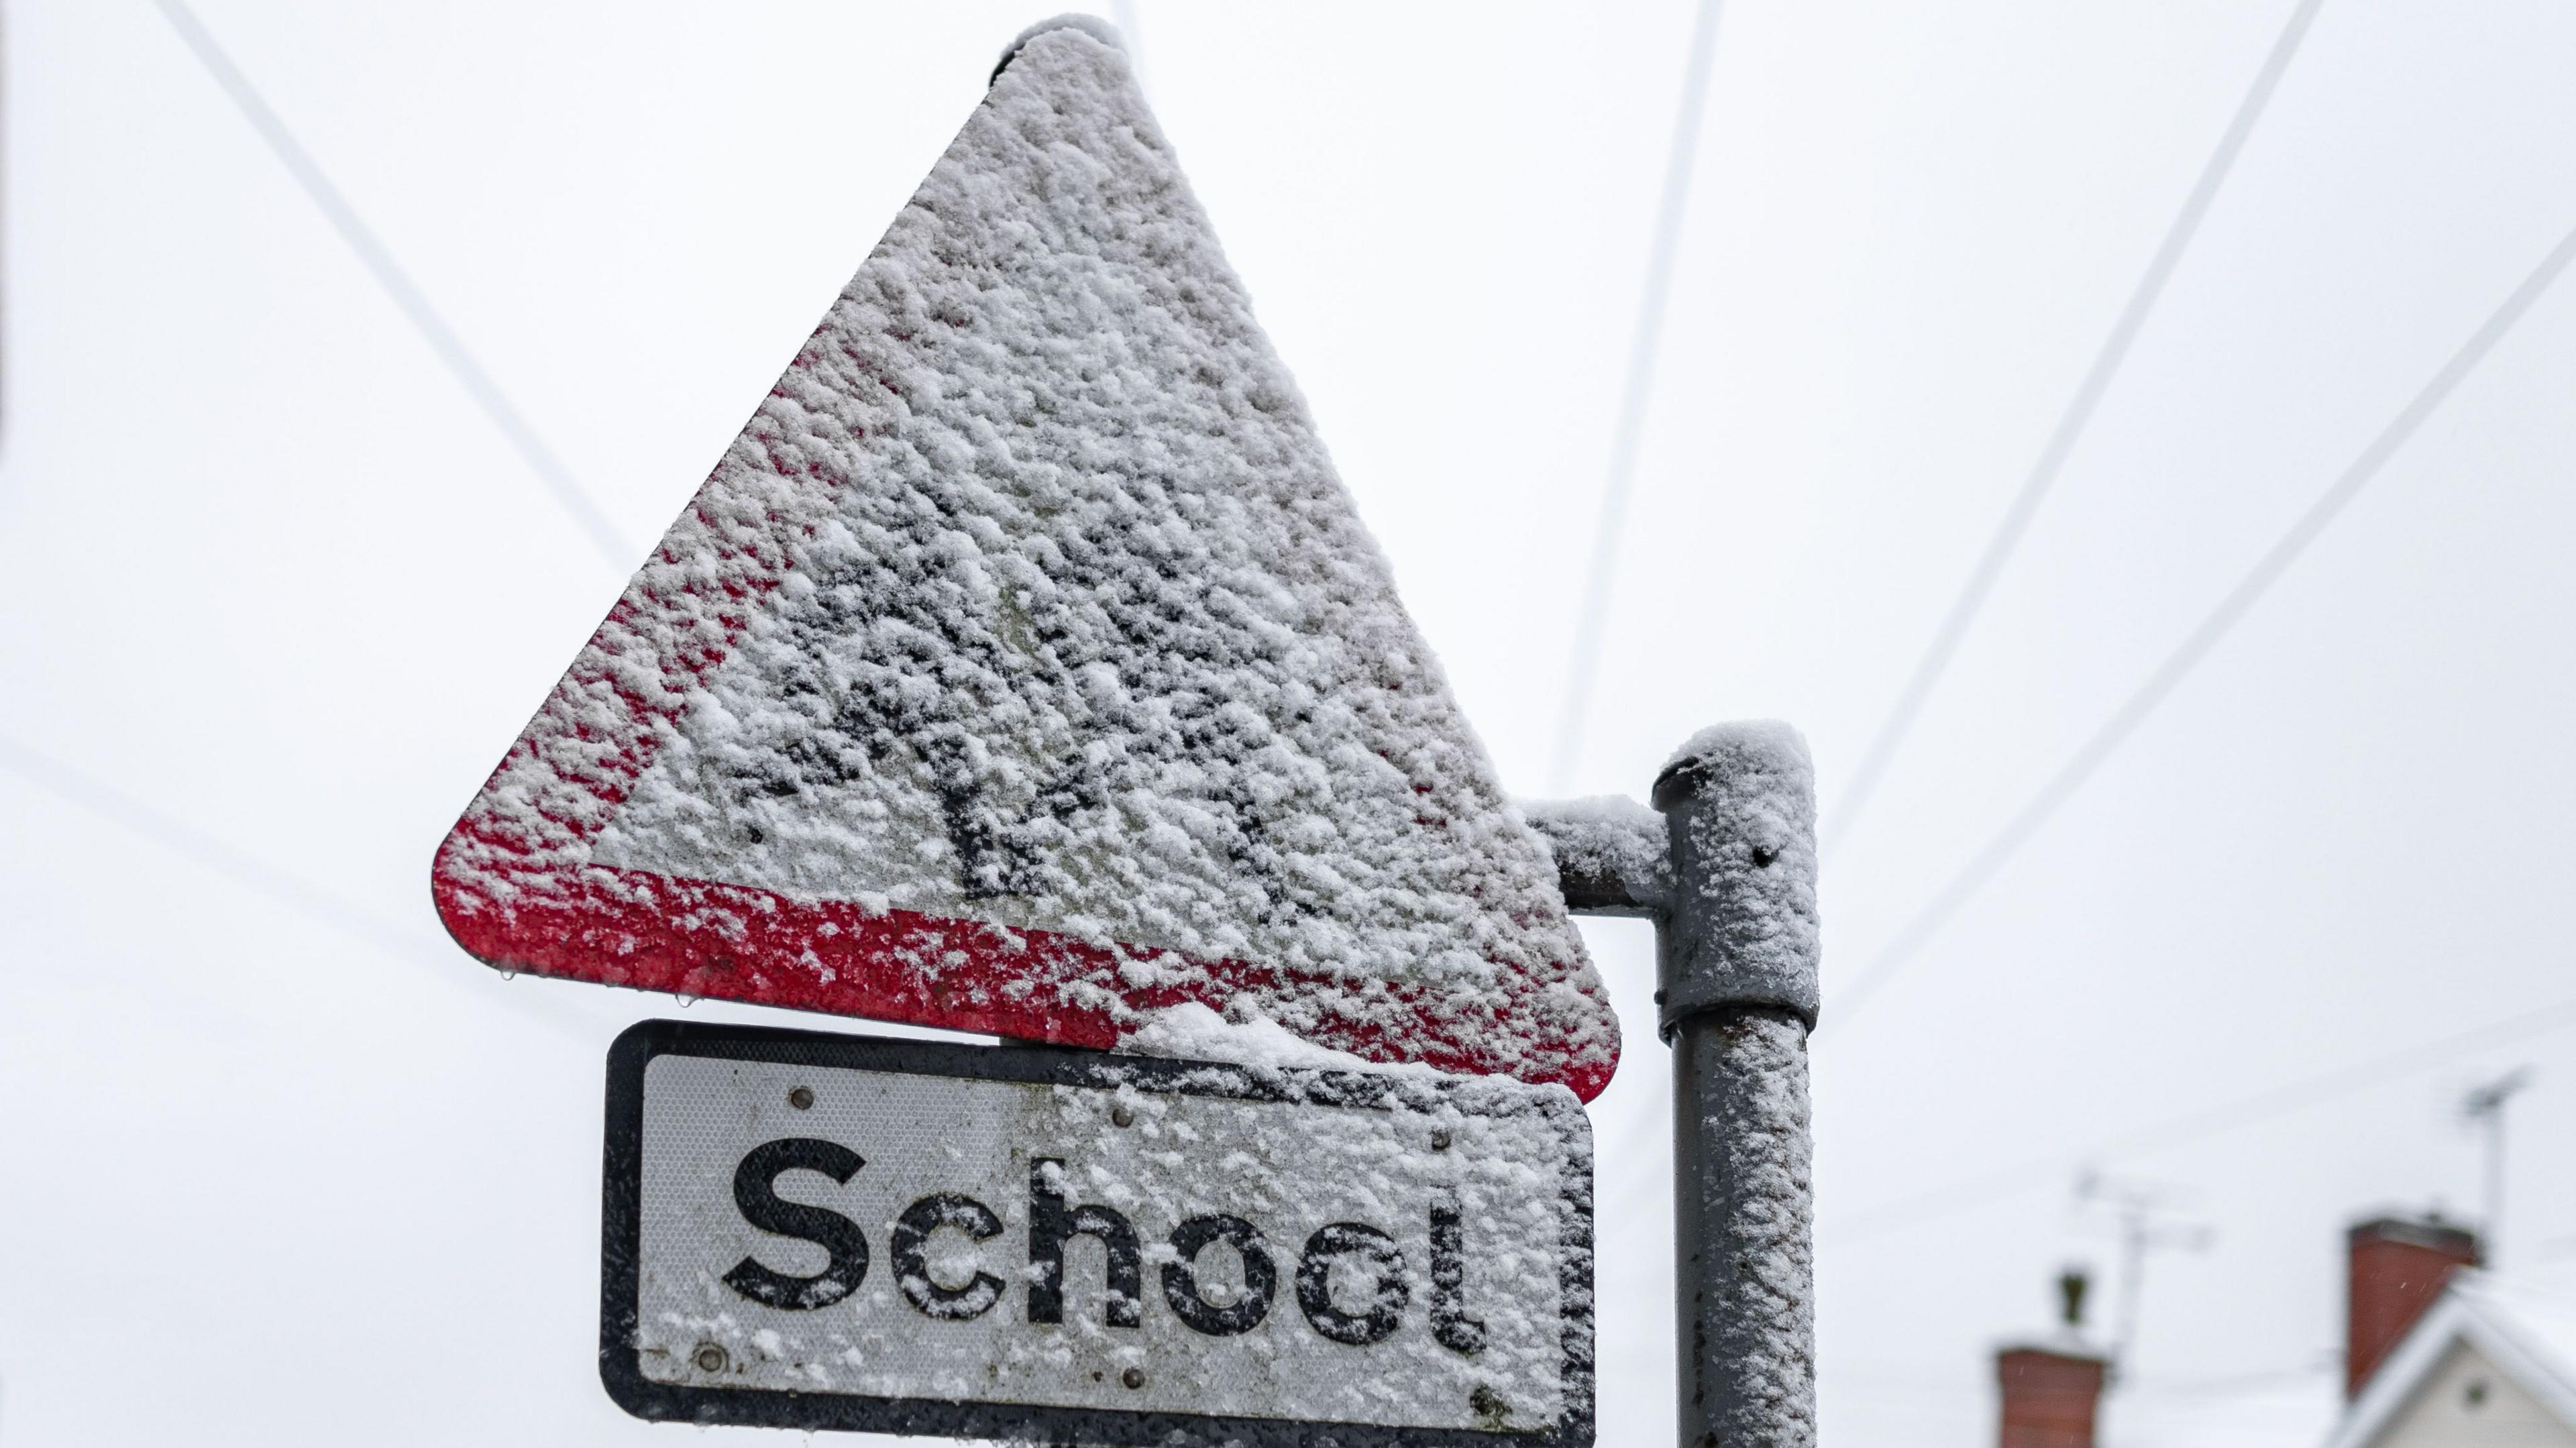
(1023, 667)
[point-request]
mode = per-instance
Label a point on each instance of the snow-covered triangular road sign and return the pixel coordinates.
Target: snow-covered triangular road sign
(1023, 667)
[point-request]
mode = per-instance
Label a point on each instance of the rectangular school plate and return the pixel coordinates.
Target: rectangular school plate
(836, 1232)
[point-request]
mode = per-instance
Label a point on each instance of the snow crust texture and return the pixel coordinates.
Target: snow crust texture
(1499, 1341)
(1194, 1032)
(1613, 851)
(1091, 25)
(1029, 599)
(1759, 1363)
(1743, 801)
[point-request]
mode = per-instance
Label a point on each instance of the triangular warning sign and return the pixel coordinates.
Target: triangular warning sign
(1023, 667)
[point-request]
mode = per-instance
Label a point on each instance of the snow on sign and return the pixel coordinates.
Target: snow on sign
(817, 1231)
(1023, 667)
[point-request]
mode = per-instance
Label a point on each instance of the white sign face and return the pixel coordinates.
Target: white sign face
(1023, 667)
(833, 1232)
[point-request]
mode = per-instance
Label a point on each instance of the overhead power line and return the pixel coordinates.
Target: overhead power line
(2178, 665)
(2249, 1110)
(1631, 422)
(433, 328)
(245, 869)
(2063, 437)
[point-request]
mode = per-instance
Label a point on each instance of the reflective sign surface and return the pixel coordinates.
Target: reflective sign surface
(824, 1231)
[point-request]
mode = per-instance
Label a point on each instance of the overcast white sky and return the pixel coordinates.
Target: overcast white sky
(283, 1166)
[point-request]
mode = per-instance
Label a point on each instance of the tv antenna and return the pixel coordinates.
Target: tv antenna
(2483, 1110)
(2144, 1215)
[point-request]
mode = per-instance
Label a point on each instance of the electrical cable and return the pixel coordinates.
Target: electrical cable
(1642, 352)
(242, 868)
(2196, 645)
(414, 304)
(2063, 437)
(2207, 1121)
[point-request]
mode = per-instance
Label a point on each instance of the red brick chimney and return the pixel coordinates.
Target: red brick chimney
(2398, 1268)
(2049, 1397)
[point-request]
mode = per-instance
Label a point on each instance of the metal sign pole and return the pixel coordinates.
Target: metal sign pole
(1731, 887)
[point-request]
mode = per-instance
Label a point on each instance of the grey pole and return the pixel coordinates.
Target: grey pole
(1734, 905)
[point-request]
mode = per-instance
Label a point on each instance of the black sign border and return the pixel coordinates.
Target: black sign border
(621, 1223)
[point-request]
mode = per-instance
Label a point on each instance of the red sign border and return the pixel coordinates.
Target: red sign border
(524, 897)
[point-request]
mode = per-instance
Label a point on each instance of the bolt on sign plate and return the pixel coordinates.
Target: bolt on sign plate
(1030, 1243)
(1023, 667)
